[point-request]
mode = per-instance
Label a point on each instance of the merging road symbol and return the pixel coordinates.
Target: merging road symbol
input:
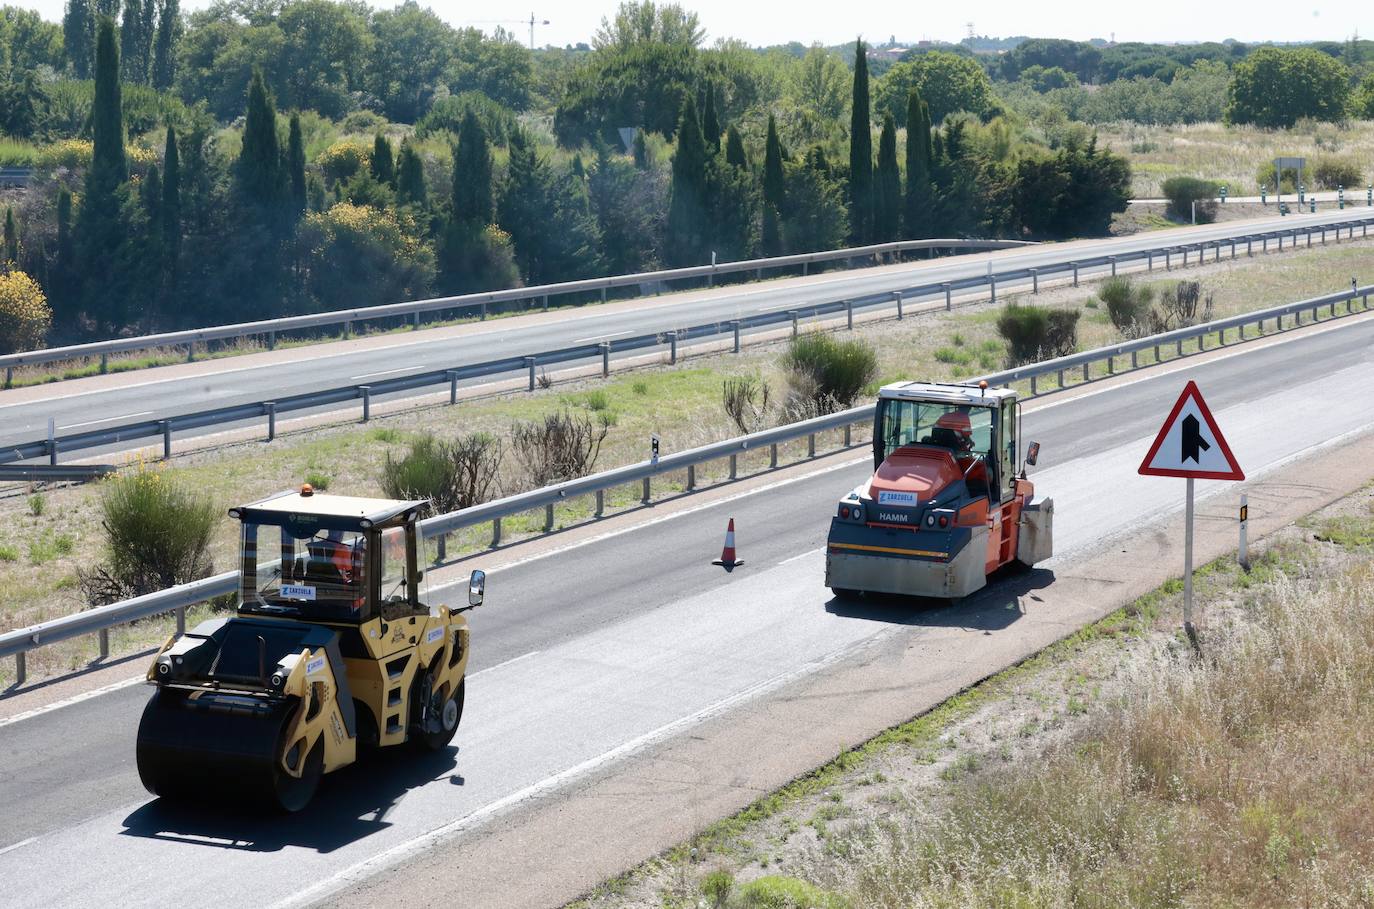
(1193, 442)
(1190, 444)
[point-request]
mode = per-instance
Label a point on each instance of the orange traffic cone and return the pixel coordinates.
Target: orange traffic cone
(727, 558)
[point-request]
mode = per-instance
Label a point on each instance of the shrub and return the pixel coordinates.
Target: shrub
(25, 316)
(1182, 192)
(598, 401)
(363, 254)
(775, 891)
(716, 887)
(451, 474)
(1128, 306)
(38, 504)
(318, 481)
(562, 446)
(1179, 308)
(1265, 177)
(1036, 333)
(825, 375)
(344, 159)
(1333, 173)
(745, 399)
(157, 535)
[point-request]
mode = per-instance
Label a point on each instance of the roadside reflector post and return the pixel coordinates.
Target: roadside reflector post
(898, 296)
(271, 408)
(529, 365)
(452, 385)
(166, 440)
(1243, 552)
(605, 359)
(52, 441)
(366, 393)
(793, 313)
(104, 636)
(734, 326)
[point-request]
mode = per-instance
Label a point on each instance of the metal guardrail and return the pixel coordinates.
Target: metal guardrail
(99, 620)
(15, 176)
(46, 473)
(479, 302)
(364, 393)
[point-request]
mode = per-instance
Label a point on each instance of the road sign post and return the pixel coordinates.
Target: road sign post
(1190, 445)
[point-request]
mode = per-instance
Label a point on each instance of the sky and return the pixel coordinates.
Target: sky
(571, 21)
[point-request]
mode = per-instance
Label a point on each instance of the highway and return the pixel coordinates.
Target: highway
(104, 401)
(585, 653)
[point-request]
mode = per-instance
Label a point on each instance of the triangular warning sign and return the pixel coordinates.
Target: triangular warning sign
(1191, 444)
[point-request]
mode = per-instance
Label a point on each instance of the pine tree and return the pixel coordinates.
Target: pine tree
(734, 149)
(773, 192)
(887, 215)
(383, 165)
(164, 51)
(472, 189)
(710, 122)
(295, 165)
(78, 37)
(9, 255)
(258, 171)
(641, 151)
(410, 177)
(860, 154)
(687, 233)
(919, 195)
(171, 201)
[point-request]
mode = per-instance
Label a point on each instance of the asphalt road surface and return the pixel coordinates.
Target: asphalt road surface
(584, 654)
(88, 404)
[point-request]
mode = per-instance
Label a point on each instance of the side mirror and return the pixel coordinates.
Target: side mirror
(1032, 453)
(477, 587)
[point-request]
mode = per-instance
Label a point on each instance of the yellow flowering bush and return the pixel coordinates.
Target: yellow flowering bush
(25, 316)
(69, 153)
(344, 159)
(357, 255)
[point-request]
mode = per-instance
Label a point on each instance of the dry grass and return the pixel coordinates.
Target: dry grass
(1231, 155)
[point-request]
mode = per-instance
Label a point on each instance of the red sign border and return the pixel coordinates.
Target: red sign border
(1191, 390)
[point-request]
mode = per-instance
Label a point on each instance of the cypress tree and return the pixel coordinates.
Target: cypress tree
(64, 230)
(171, 200)
(641, 151)
(78, 37)
(888, 198)
(129, 40)
(383, 165)
(150, 194)
(686, 226)
(146, 20)
(108, 165)
(102, 281)
(258, 169)
(734, 149)
(472, 190)
(860, 154)
(164, 51)
(10, 258)
(919, 197)
(710, 123)
(410, 177)
(773, 192)
(295, 165)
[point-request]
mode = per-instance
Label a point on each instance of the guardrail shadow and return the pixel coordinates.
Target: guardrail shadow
(351, 804)
(994, 608)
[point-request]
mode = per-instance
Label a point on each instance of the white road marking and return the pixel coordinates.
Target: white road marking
(67, 702)
(614, 334)
(473, 675)
(384, 372)
(802, 556)
(13, 846)
(127, 416)
(401, 851)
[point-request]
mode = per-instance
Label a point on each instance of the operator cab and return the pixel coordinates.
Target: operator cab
(330, 558)
(976, 425)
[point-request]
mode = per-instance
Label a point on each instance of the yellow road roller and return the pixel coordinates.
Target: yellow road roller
(333, 649)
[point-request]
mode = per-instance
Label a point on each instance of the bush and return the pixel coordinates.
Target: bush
(775, 891)
(825, 375)
(157, 535)
(1182, 192)
(363, 254)
(1333, 173)
(318, 481)
(563, 446)
(745, 399)
(1265, 177)
(344, 159)
(25, 316)
(38, 503)
(1035, 333)
(1128, 306)
(451, 474)
(1179, 308)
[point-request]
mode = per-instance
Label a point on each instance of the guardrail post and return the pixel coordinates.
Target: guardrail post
(1033, 389)
(811, 445)
(484, 310)
(1280, 239)
(546, 302)
(529, 364)
(181, 619)
(271, 408)
(1168, 260)
(1242, 331)
(734, 466)
(348, 330)
(605, 359)
(1158, 359)
(1075, 273)
(1233, 249)
(897, 294)
(452, 385)
(366, 392)
(1149, 260)
(793, 314)
(191, 352)
(691, 477)
(672, 348)
(104, 637)
(440, 548)
(992, 289)
(734, 326)
(495, 532)
(272, 340)
(1135, 360)
(1111, 365)
(600, 502)
(1112, 259)
(603, 294)
(415, 322)
(1086, 377)
(1061, 378)
(644, 499)
(949, 297)
(1249, 246)
(1035, 280)
(104, 363)
(9, 370)
(773, 455)
(548, 517)
(1297, 319)
(806, 269)
(166, 439)
(849, 314)
(21, 674)
(848, 435)
(1184, 250)
(1180, 347)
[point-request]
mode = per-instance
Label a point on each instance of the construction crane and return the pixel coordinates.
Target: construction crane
(532, 21)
